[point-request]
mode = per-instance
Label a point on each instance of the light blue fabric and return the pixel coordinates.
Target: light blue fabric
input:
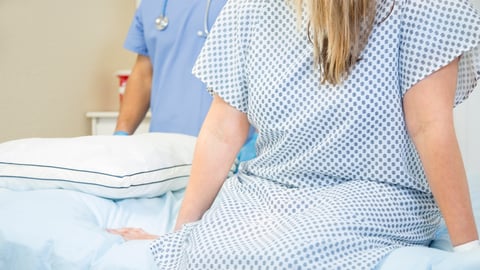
(65, 230)
(439, 255)
(466, 261)
(424, 258)
(248, 150)
(121, 133)
(420, 258)
(130, 255)
(179, 101)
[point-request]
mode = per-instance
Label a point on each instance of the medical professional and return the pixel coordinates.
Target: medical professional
(167, 37)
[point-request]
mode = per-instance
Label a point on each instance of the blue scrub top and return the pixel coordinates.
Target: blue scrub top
(179, 101)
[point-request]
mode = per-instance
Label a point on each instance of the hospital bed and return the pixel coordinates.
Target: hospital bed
(58, 195)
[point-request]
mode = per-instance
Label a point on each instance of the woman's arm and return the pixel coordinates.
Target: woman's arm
(136, 99)
(428, 108)
(223, 133)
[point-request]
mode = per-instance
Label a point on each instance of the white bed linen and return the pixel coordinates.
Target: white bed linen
(115, 167)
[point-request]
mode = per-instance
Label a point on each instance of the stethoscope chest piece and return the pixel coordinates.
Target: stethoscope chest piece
(161, 22)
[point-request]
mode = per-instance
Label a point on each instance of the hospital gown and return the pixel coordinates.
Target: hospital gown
(337, 183)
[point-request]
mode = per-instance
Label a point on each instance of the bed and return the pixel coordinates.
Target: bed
(58, 195)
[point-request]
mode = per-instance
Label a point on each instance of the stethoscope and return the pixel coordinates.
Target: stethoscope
(162, 21)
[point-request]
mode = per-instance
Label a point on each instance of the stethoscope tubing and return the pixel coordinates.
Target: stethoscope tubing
(206, 31)
(162, 20)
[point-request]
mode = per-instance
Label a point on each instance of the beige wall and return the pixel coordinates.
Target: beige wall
(57, 61)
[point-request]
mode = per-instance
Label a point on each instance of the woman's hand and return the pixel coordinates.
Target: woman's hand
(133, 234)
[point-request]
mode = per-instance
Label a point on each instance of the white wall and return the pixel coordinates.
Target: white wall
(468, 131)
(468, 127)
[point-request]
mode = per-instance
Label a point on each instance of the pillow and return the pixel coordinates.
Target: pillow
(116, 167)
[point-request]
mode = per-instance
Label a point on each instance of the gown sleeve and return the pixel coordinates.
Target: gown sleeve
(435, 32)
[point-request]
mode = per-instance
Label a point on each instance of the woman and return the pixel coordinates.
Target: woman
(356, 150)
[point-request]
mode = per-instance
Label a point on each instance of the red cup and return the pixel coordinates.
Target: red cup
(122, 76)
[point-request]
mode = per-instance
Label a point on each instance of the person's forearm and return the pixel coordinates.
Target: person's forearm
(219, 141)
(132, 112)
(209, 171)
(438, 148)
(136, 100)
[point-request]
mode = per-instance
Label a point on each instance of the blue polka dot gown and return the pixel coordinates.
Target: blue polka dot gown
(337, 183)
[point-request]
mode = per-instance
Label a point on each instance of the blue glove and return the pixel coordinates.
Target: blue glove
(248, 150)
(120, 133)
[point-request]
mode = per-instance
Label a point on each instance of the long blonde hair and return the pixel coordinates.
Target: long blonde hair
(339, 31)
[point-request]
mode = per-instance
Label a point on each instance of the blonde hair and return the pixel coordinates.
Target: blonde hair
(339, 31)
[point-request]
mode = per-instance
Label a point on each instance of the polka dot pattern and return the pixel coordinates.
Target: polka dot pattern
(337, 182)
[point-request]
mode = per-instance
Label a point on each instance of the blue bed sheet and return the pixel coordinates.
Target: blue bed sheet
(63, 229)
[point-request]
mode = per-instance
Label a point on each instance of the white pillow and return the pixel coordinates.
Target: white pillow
(144, 165)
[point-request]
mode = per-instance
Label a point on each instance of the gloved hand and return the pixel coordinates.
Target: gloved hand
(247, 152)
(120, 133)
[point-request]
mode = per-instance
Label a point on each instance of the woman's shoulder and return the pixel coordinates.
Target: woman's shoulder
(241, 15)
(410, 7)
(246, 6)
